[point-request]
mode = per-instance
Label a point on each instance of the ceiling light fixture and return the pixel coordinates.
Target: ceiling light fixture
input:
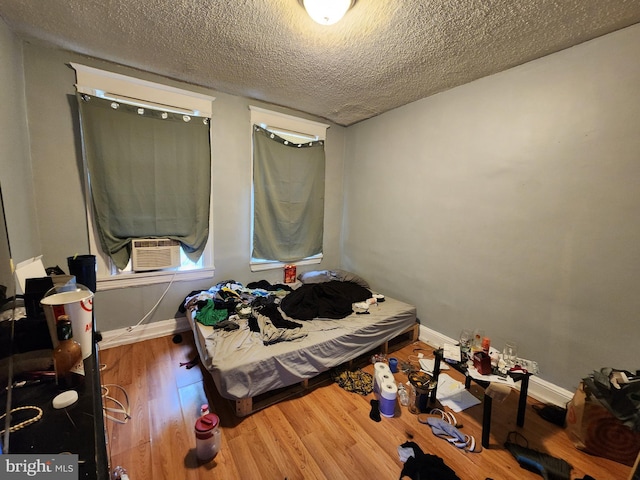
(327, 12)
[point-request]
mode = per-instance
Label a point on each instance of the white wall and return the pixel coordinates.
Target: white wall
(57, 175)
(512, 204)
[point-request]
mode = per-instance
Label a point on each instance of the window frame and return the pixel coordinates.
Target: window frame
(269, 119)
(124, 89)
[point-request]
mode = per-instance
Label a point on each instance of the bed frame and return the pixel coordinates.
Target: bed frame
(252, 378)
(247, 406)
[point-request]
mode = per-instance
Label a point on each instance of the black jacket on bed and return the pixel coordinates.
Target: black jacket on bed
(332, 299)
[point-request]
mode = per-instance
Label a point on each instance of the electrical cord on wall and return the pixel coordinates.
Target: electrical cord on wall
(133, 327)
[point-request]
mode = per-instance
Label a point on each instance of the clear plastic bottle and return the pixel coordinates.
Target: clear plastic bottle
(403, 395)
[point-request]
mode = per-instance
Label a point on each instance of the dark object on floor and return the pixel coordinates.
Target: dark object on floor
(586, 477)
(375, 411)
(177, 338)
(354, 381)
(423, 466)
(549, 467)
(552, 413)
(191, 363)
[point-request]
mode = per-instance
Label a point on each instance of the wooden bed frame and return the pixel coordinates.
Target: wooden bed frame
(247, 406)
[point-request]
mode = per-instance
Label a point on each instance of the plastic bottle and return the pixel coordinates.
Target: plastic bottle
(67, 356)
(207, 437)
(119, 473)
(403, 395)
(486, 345)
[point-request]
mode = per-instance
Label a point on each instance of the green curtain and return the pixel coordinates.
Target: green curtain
(149, 175)
(288, 184)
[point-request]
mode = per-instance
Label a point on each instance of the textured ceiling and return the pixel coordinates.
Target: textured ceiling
(383, 54)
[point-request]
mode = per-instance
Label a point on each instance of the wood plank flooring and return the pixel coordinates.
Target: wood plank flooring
(323, 434)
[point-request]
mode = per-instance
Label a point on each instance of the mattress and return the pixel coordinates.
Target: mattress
(243, 367)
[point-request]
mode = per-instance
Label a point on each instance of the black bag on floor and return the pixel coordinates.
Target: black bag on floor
(548, 466)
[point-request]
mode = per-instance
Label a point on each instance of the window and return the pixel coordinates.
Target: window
(288, 172)
(157, 141)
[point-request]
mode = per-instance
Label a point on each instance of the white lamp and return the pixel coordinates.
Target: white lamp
(327, 12)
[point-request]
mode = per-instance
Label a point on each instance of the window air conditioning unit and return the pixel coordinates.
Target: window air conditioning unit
(154, 254)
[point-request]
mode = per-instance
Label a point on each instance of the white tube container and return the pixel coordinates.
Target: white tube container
(388, 395)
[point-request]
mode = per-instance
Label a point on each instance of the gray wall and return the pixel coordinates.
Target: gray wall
(512, 204)
(508, 204)
(59, 196)
(15, 166)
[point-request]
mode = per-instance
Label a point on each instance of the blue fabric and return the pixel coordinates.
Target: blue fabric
(441, 428)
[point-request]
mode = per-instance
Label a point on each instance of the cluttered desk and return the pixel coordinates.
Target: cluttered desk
(51, 411)
(42, 426)
(496, 380)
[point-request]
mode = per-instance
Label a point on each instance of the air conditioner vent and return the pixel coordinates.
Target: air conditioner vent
(154, 254)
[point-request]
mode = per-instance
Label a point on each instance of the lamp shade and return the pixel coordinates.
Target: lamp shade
(326, 12)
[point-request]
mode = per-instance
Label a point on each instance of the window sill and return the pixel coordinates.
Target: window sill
(125, 280)
(261, 266)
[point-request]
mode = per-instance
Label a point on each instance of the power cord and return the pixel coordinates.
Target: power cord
(122, 409)
(151, 310)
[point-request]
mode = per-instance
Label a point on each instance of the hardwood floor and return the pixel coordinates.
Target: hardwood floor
(324, 434)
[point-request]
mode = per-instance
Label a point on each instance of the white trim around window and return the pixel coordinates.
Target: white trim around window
(271, 120)
(117, 87)
(135, 91)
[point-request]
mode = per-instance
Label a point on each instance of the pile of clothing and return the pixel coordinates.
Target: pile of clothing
(274, 311)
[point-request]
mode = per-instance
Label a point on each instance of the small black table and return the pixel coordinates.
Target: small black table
(523, 378)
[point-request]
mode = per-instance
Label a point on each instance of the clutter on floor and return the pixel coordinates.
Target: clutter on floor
(603, 417)
(552, 413)
(445, 430)
(452, 393)
(354, 381)
(375, 411)
(191, 363)
(419, 465)
(548, 466)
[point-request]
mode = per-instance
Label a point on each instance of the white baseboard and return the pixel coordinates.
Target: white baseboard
(122, 336)
(540, 389)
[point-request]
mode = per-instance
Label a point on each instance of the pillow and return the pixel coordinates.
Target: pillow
(320, 276)
(345, 276)
(315, 276)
